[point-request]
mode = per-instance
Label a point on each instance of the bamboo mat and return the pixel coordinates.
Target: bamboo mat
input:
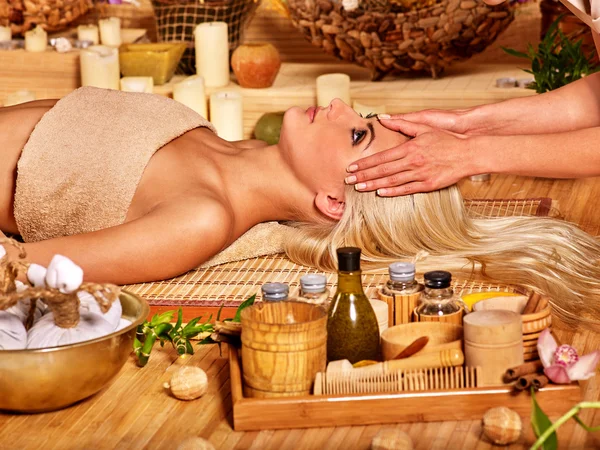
(230, 284)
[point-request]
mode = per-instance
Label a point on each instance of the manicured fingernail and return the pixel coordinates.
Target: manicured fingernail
(351, 179)
(352, 168)
(384, 116)
(360, 186)
(381, 191)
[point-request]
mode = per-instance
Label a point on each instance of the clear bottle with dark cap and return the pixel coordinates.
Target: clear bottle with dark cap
(402, 280)
(438, 297)
(275, 292)
(313, 289)
(352, 328)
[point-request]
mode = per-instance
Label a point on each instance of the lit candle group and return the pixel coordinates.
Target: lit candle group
(110, 31)
(88, 33)
(212, 53)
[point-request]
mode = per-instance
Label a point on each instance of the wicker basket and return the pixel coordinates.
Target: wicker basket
(52, 15)
(382, 37)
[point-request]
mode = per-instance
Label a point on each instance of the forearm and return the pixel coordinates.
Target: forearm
(572, 107)
(573, 154)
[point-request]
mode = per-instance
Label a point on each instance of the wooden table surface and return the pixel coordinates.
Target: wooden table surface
(136, 412)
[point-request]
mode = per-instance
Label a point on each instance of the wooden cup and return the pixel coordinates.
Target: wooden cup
(400, 307)
(284, 345)
(494, 341)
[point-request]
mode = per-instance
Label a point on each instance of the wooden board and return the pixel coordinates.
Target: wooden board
(368, 409)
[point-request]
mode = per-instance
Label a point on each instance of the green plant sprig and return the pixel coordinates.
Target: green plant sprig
(160, 329)
(545, 430)
(557, 61)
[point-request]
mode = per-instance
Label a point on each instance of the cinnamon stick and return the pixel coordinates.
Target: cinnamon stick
(525, 381)
(539, 381)
(514, 373)
(532, 303)
(542, 304)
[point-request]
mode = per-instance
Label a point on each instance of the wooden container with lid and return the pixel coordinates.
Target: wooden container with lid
(494, 341)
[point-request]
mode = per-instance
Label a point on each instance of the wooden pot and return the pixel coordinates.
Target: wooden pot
(284, 345)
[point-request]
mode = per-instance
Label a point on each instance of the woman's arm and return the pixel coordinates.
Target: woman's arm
(572, 107)
(169, 241)
(437, 158)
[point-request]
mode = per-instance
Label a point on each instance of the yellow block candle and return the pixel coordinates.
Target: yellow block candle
(36, 40)
(100, 67)
(333, 85)
(212, 53)
(226, 115)
(365, 110)
(110, 31)
(192, 94)
(5, 34)
(88, 33)
(137, 84)
(18, 97)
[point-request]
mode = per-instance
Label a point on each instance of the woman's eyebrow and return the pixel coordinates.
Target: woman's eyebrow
(371, 134)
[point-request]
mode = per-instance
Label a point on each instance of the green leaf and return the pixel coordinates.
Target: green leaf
(513, 52)
(219, 312)
(165, 317)
(584, 426)
(540, 423)
(244, 305)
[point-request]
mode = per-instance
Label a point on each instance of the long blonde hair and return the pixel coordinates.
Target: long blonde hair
(547, 255)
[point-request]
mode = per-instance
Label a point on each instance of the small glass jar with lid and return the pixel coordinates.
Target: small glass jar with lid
(275, 292)
(402, 279)
(313, 289)
(437, 302)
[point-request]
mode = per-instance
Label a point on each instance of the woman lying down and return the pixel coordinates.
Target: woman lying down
(136, 187)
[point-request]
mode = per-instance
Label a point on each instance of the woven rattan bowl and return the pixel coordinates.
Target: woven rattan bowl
(52, 15)
(382, 36)
(41, 380)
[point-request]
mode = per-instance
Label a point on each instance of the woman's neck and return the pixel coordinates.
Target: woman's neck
(260, 186)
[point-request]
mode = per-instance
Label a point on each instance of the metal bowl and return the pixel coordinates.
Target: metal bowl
(47, 379)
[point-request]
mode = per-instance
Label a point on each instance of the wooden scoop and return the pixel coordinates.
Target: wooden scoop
(414, 347)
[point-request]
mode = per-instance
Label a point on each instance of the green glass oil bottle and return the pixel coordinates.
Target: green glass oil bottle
(352, 328)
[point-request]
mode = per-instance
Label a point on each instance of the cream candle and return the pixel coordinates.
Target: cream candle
(137, 84)
(192, 94)
(100, 67)
(110, 31)
(5, 34)
(365, 110)
(36, 40)
(333, 85)
(226, 115)
(88, 33)
(212, 53)
(18, 97)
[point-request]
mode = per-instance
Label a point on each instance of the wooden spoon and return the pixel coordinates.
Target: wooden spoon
(413, 347)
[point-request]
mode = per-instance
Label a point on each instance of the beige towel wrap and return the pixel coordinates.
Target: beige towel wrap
(83, 162)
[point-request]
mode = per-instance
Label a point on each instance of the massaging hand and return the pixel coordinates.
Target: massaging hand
(434, 159)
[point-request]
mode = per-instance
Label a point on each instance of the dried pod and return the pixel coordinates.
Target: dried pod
(502, 425)
(196, 443)
(189, 383)
(231, 328)
(391, 439)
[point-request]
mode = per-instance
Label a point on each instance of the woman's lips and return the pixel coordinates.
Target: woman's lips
(311, 112)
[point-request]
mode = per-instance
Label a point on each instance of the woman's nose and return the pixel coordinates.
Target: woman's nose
(337, 107)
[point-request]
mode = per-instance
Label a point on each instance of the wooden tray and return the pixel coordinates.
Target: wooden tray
(369, 409)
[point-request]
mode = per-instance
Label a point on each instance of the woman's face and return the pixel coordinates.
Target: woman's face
(320, 143)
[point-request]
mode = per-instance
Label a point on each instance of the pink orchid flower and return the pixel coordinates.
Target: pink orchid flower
(562, 364)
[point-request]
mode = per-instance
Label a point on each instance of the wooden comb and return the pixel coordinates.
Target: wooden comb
(434, 379)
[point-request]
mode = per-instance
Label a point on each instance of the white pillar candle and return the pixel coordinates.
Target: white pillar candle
(88, 33)
(137, 84)
(5, 34)
(212, 53)
(110, 31)
(333, 85)
(365, 110)
(18, 97)
(100, 67)
(36, 40)
(191, 93)
(226, 115)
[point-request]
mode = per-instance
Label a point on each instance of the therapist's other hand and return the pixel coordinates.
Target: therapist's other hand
(432, 160)
(458, 120)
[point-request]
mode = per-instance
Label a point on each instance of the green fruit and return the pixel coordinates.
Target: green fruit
(268, 127)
